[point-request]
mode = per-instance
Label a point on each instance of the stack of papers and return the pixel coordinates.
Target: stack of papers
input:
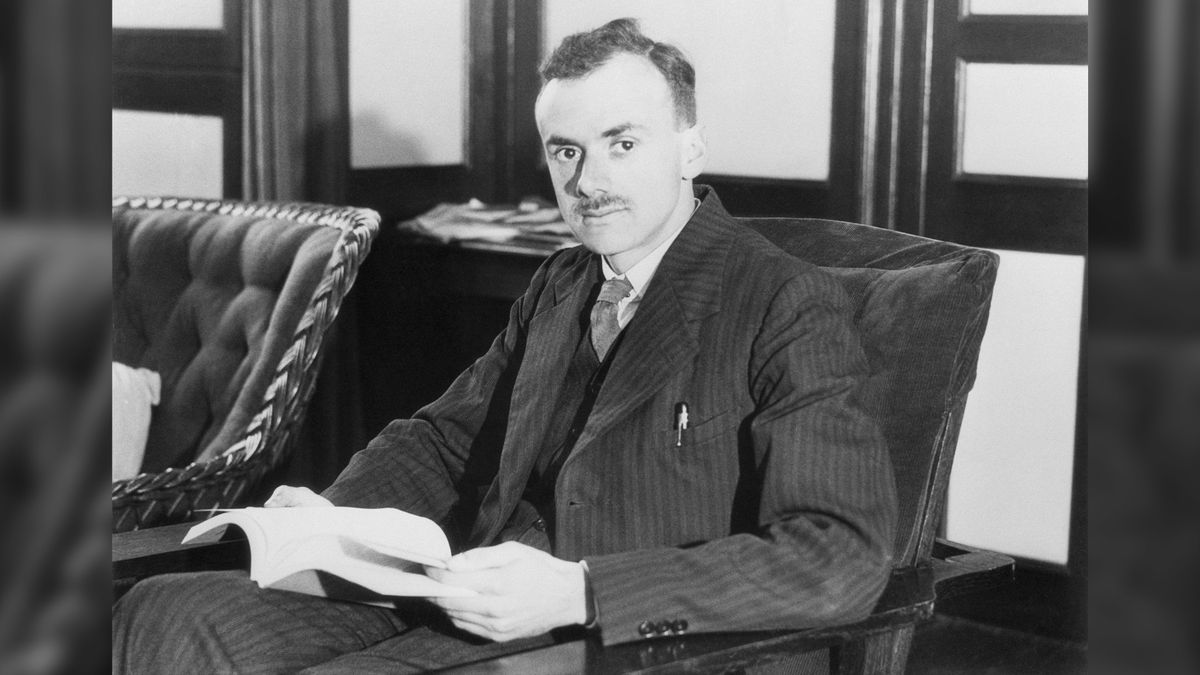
(534, 223)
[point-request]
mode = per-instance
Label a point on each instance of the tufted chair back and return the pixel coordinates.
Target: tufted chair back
(921, 308)
(228, 302)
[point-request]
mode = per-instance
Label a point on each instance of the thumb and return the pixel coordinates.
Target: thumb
(486, 557)
(286, 495)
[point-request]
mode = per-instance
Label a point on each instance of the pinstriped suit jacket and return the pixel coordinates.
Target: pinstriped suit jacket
(778, 509)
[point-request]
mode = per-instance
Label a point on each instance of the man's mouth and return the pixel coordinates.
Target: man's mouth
(600, 213)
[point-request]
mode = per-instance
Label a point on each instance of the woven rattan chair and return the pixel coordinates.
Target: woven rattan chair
(230, 302)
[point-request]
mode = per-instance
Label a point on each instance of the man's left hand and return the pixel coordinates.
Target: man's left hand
(522, 591)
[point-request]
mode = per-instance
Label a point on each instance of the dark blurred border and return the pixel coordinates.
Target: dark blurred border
(1144, 337)
(55, 309)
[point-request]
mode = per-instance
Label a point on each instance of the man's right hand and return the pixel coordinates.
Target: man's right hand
(286, 495)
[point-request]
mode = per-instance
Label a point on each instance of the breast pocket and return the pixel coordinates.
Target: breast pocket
(700, 430)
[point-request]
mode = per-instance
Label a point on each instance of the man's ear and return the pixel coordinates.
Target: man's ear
(695, 152)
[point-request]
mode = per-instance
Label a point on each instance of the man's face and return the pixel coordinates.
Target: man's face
(618, 159)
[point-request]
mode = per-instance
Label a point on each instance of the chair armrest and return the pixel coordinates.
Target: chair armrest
(907, 599)
(157, 550)
(959, 569)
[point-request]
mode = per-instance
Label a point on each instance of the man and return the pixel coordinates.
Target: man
(678, 449)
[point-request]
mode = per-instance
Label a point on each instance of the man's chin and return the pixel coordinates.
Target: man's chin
(604, 248)
(597, 232)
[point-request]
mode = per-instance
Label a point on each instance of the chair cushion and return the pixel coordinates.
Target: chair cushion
(135, 392)
(921, 308)
(210, 302)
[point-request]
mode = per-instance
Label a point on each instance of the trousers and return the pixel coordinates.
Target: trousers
(222, 622)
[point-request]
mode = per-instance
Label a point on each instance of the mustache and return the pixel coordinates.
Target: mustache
(598, 203)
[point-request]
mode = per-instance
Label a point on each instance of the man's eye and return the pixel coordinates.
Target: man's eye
(566, 154)
(623, 147)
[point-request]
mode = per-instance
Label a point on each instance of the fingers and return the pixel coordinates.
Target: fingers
(489, 557)
(486, 619)
(492, 570)
(492, 629)
(287, 495)
(485, 581)
(477, 615)
(521, 591)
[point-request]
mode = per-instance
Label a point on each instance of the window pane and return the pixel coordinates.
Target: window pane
(167, 154)
(1019, 7)
(197, 14)
(764, 78)
(1025, 120)
(408, 68)
(1010, 489)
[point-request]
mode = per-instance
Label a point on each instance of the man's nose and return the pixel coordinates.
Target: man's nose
(591, 177)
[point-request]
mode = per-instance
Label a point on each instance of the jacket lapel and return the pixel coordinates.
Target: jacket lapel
(535, 392)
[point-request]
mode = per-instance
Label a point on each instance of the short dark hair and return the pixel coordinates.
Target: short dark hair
(580, 54)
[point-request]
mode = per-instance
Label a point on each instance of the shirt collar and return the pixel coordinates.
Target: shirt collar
(640, 274)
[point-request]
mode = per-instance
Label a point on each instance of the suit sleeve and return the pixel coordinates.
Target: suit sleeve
(418, 464)
(827, 511)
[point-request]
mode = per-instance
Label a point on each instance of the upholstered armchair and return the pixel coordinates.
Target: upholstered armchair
(922, 308)
(229, 303)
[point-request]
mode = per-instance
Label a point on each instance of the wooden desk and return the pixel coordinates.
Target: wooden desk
(426, 311)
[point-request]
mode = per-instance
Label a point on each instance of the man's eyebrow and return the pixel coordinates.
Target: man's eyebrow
(621, 128)
(559, 140)
(555, 139)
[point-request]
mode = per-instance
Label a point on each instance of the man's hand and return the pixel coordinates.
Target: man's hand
(286, 495)
(522, 591)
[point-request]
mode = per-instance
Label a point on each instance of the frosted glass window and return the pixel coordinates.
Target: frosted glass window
(1024, 120)
(764, 74)
(1024, 7)
(408, 83)
(167, 154)
(176, 14)
(1010, 489)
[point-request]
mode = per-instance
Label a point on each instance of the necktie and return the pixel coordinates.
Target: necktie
(604, 315)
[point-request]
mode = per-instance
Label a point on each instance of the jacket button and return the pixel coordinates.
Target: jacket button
(540, 524)
(680, 626)
(646, 628)
(663, 627)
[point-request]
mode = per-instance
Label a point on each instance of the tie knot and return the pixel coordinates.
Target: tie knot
(614, 290)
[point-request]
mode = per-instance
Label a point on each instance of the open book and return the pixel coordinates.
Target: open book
(364, 555)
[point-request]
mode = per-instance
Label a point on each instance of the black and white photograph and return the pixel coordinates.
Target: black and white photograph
(608, 336)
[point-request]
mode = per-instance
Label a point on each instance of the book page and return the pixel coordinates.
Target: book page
(388, 530)
(382, 550)
(354, 562)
